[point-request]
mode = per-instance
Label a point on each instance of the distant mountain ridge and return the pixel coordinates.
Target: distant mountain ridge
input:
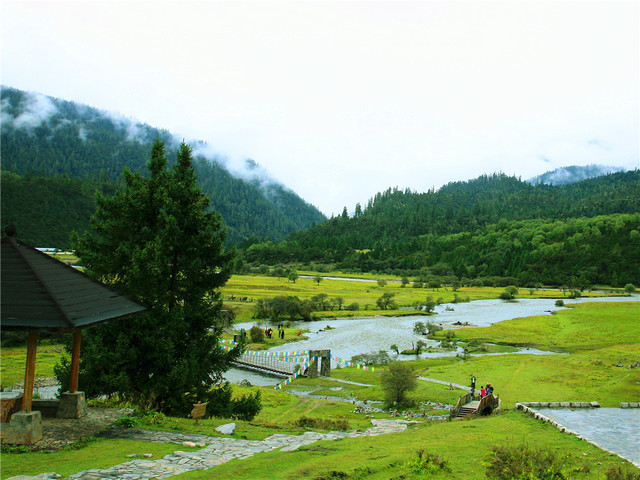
(574, 173)
(46, 136)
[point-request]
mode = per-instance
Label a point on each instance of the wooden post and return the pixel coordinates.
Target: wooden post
(75, 361)
(30, 372)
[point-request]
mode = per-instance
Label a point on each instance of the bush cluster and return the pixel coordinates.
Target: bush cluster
(322, 423)
(222, 404)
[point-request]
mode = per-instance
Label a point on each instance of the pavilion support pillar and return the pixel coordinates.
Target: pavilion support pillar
(30, 372)
(73, 403)
(25, 427)
(75, 361)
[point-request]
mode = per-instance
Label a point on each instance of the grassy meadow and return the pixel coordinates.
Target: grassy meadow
(365, 294)
(589, 339)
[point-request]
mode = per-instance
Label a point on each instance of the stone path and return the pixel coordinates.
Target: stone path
(442, 382)
(215, 451)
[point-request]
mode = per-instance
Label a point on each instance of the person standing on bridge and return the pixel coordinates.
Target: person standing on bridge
(483, 392)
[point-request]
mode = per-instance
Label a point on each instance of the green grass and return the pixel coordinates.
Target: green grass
(14, 360)
(597, 335)
(464, 444)
(101, 453)
(587, 326)
(365, 294)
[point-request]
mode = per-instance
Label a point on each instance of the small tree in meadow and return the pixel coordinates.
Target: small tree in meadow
(386, 302)
(397, 381)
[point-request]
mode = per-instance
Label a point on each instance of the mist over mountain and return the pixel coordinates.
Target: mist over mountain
(47, 137)
(574, 173)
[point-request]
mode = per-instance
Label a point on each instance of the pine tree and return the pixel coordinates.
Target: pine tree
(156, 241)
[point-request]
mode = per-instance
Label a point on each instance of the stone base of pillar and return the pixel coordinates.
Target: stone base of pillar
(24, 428)
(72, 405)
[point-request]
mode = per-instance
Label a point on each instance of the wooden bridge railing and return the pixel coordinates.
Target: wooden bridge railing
(488, 401)
(463, 400)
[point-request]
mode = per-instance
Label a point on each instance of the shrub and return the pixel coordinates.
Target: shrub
(125, 422)
(630, 288)
(322, 423)
(429, 463)
(420, 328)
(432, 328)
(574, 293)
(256, 334)
(247, 406)
(617, 473)
(221, 404)
(559, 303)
(524, 462)
(381, 357)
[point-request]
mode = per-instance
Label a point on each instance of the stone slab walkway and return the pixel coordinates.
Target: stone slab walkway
(215, 451)
(443, 382)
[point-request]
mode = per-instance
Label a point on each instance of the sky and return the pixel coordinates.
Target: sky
(339, 100)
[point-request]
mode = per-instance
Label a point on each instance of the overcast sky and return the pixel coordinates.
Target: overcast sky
(340, 100)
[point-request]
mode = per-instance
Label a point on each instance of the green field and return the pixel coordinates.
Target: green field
(592, 338)
(253, 287)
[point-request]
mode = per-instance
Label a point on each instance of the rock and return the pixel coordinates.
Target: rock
(624, 405)
(226, 429)
(147, 455)
(594, 405)
(134, 455)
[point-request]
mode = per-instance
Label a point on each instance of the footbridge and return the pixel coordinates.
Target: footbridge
(310, 363)
(475, 405)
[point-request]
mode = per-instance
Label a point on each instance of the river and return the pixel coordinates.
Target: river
(350, 337)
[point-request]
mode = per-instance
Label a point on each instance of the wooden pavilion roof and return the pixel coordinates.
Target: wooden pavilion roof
(42, 293)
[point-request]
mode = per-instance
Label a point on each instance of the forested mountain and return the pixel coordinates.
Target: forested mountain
(494, 225)
(574, 173)
(56, 141)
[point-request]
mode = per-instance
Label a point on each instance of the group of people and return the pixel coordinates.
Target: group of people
(268, 332)
(484, 392)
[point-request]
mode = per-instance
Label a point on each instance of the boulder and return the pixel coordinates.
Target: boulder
(226, 429)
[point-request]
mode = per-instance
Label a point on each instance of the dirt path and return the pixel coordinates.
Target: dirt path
(60, 432)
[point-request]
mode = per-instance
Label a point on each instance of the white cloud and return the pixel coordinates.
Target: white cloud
(36, 110)
(340, 100)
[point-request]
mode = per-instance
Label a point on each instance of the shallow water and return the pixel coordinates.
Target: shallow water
(616, 429)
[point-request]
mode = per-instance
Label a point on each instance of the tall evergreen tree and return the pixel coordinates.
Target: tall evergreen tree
(156, 241)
